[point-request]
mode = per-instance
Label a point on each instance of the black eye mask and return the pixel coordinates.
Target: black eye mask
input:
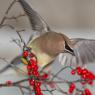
(68, 49)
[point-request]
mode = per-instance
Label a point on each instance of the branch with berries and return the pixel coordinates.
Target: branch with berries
(36, 78)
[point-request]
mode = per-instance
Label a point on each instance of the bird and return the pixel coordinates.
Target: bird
(47, 44)
(50, 44)
(43, 46)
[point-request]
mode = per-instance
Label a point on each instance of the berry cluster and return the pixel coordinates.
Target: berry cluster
(35, 77)
(33, 72)
(84, 74)
(72, 88)
(87, 76)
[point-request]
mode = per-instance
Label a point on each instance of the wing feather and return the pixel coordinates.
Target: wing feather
(84, 50)
(36, 20)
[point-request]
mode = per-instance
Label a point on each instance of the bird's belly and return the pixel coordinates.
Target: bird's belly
(43, 59)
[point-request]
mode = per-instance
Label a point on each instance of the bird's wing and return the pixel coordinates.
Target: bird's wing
(84, 50)
(37, 23)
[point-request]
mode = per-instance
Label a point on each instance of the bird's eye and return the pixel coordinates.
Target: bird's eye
(68, 49)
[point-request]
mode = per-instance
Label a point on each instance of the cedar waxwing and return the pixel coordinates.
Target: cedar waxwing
(43, 46)
(47, 45)
(50, 44)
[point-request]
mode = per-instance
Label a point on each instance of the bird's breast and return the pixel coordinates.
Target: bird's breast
(42, 57)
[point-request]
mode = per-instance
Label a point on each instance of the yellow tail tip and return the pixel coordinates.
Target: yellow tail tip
(24, 61)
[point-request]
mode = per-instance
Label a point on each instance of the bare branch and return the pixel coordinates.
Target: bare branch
(13, 66)
(15, 17)
(7, 11)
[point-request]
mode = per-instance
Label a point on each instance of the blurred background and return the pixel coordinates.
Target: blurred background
(75, 18)
(61, 13)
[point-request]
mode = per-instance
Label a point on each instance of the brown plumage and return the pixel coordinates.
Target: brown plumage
(50, 44)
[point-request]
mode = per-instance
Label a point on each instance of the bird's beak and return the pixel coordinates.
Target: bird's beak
(68, 49)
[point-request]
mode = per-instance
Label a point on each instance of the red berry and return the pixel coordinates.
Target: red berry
(35, 68)
(71, 88)
(25, 53)
(45, 76)
(35, 73)
(38, 89)
(29, 67)
(84, 71)
(38, 93)
(87, 92)
(9, 83)
(31, 54)
(38, 84)
(83, 83)
(32, 61)
(82, 94)
(72, 85)
(84, 76)
(91, 76)
(73, 72)
(90, 82)
(31, 82)
(41, 93)
(29, 73)
(79, 70)
(87, 75)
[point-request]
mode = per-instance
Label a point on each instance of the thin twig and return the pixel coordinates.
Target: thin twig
(7, 11)
(60, 71)
(15, 17)
(13, 66)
